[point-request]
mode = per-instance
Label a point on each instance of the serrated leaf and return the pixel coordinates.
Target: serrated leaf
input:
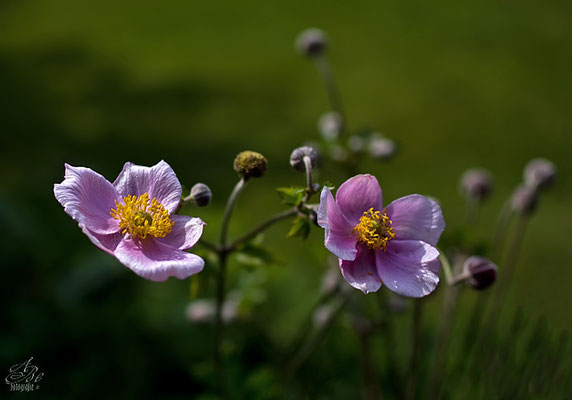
(291, 196)
(300, 227)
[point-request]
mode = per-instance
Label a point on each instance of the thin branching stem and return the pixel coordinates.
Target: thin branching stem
(220, 285)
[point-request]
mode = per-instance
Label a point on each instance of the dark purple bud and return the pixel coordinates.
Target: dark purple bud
(381, 147)
(250, 164)
(540, 173)
(476, 184)
(330, 125)
(481, 271)
(297, 157)
(311, 42)
(524, 199)
(201, 194)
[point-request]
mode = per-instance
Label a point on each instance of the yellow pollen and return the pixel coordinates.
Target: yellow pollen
(374, 229)
(139, 217)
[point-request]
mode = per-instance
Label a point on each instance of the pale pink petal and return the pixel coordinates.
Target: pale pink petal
(88, 198)
(416, 217)
(339, 236)
(107, 243)
(186, 232)
(357, 195)
(362, 272)
(159, 181)
(156, 261)
(409, 267)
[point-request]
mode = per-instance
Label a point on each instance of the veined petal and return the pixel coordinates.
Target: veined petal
(416, 217)
(357, 195)
(156, 261)
(159, 181)
(107, 243)
(409, 267)
(88, 198)
(186, 232)
(339, 237)
(362, 272)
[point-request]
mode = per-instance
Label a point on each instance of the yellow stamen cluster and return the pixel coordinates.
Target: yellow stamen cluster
(139, 217)
(374, 229)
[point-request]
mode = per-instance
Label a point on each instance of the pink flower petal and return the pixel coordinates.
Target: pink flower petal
(409, 267)
(88, 198)
(416, 217)
(159, 181)
(357, 195)
(107, 243)
(339, 237)
(362, 272)
(156, 261)
(186, 232)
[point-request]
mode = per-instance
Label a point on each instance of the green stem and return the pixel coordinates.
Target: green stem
(334, 97)
(220, 286)
(309, 347)
(262, 227)
(228, 210)
(446, 267)
(414, 358)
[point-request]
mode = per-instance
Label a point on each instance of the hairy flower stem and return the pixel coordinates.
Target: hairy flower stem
(309, 189)
(446, 267)
(411, 390)
(325, 71)
(220, 285)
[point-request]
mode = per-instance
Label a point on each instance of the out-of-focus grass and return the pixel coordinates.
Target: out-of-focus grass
(97, 84)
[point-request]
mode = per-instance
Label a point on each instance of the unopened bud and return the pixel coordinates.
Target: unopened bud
(524, 199)
(476, 184)
(201, 194)
(330, 125)
(250, 164)
(539, 172)
(381, 147)
(311, 42)
(297, 157)
(481, 271)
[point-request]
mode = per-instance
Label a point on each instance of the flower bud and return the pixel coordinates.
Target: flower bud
(330, 125)
(311, 42)
(201, 194)
(297, 157)
(539, 172)
(476, 184)
(524, 199)
(481, 271)
(381, 147)
(250, 164)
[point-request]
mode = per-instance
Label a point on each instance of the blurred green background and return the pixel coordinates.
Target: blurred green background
(457, 84)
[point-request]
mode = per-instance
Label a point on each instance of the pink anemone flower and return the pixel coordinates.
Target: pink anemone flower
(393, 246)
(134, 218)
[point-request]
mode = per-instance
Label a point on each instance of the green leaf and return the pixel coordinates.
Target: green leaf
(291, 195)
(300, 227)
(255, 256)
